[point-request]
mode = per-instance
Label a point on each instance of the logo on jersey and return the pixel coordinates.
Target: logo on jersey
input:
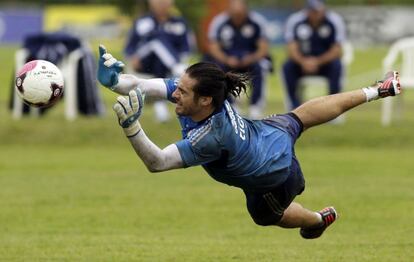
(324, 31)
(247, 31)
(237, 122)
(177, 28)
(226, 33)
(144, 26)
(304, 31)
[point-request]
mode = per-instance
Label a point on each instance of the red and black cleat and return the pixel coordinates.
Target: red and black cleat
(390, 86)
(329, 216)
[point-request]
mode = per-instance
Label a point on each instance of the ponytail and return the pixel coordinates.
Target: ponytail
(236, 83)
(213, 81)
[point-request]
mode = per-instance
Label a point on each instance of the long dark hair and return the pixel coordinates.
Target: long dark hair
(213, 81)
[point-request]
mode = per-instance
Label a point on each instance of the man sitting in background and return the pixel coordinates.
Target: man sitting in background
(157, 46)
(238, 42)
(314, 37)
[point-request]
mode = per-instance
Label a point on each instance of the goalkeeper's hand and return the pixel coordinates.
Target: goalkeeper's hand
(108, 68)
(129, 110)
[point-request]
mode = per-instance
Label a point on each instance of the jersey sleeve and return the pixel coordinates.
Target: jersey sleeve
(261, 22)
(171, 84)
(291, 24)
(340, 28)
(199, 148)
(215, 25)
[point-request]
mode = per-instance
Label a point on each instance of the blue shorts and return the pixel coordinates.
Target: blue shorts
(266, 208)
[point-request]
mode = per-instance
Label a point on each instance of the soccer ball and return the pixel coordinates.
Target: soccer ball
(39, 83)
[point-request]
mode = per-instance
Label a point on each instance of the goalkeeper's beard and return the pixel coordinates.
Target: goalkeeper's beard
(188, 111)
(188, 108)
(179, 110)
(182, 110)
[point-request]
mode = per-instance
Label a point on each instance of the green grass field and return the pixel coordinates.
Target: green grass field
(75, 191)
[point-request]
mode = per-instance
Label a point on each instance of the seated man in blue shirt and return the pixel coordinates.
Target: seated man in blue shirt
(238, 42)
(158, 45)
(256, 156)
(314, 38)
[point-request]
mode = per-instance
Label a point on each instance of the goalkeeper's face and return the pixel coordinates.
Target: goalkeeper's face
(187, 102)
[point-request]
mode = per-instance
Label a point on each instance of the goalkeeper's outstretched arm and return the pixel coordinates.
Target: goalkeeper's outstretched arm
(110, 75)
(155, 87)
(128, 110)
(155, 158)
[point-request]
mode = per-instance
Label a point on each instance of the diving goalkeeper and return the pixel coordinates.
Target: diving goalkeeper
(256, 156)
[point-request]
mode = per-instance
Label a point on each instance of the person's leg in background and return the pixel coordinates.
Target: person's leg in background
(154, 67)
(258, 97)
(334, 72)
(291, 73)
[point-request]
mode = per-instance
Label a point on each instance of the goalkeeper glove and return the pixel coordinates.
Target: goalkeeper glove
(129, 110)
(108, 68)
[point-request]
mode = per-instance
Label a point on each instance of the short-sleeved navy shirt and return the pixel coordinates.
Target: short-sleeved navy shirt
(315, 41)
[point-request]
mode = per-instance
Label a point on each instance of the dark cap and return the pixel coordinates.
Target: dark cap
(315, 4)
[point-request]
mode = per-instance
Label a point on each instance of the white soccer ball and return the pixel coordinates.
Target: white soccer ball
(39, 83)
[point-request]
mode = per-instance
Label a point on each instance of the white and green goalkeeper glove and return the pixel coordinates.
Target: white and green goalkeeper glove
(129, 110)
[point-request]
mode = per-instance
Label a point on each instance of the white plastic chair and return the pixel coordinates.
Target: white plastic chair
(403, 48)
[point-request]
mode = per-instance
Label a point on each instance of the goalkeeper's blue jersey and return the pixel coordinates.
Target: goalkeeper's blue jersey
(252, 155)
